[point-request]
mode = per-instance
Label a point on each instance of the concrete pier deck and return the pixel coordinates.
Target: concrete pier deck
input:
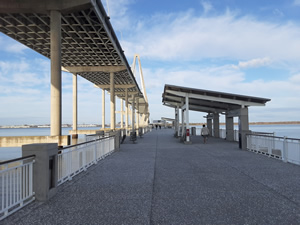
(162, 181)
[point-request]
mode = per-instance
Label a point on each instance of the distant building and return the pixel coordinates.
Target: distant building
(162, 123)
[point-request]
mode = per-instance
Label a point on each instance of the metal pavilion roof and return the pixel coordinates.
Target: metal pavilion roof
(89, 43)
(208, 101)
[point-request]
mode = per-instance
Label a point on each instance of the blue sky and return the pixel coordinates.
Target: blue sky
(243, 47)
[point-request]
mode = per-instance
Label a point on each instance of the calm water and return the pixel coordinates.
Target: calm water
(291, 131)
(15, 152)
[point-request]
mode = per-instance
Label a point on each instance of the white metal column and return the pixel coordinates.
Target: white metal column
(112, 102)
(187, 118)
(177, 126)
(75, 116)
(137, 114)
(121, 113)
(182, 122)
(103, 108)
(126, 109)
(133, 113)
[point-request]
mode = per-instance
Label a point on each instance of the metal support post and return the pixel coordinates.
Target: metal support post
(103, 108)
(182, 122)
(122, 116)
(112, 102)
(75, 117)
(187, 118)
(126, 110)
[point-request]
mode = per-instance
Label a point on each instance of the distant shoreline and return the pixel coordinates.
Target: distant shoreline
(262, 123)
(195, 124)
(281, 122)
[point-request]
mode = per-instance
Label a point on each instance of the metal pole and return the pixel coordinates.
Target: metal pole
(75, 117)
(133, 114)
(121, 113)
(112, 102)
(126, 109)
(187, 118)
(103, 108)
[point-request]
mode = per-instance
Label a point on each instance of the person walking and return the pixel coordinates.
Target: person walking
(204, 133)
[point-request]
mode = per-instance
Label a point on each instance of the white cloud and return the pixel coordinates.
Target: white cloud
(254, 63)
(278, 13)
(19, 66)
(187, 36)
(174, 37)
(295, 79)
(297, 2)
(11, 46)
(118, 13)
(26, 105)
(20, 74)
(284, 94)
(15, 48)
(207, 6)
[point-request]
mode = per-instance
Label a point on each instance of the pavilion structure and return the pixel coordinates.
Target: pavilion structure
(213, 103)
(77, 36)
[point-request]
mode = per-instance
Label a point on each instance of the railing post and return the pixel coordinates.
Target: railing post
(248, 137)
(269, 145)
(45, 169)
(84, 153)
(95, 153)
(68, 167)
(284, 150)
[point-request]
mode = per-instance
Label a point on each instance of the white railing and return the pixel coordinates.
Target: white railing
(236, 135)
(287, 149)
(16, 183)
(198, 132)
(147, 129)
(78, 158)
(93, 137)
(222, 133)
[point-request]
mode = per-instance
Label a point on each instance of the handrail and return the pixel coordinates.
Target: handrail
(17, 159)
(260, 132)
(16, 185)
(83, 143)
(295, 139)
(73, 162)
